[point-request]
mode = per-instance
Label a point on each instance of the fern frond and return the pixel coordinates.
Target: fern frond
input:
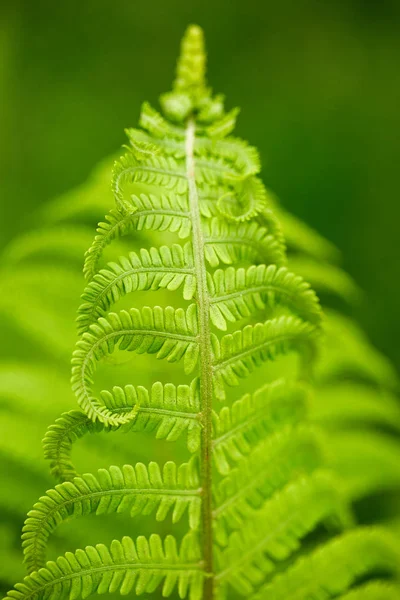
(275, 532)
(168, 411)
(239, 293)
(231, 243)
(116, 224)
(156, 125)
(145, 211)
(152, 269)
(334, 568)
(60, 436)
(168, 333)
(284, 455)
(191, 65)
(137, 490)
(169, 145)
(238, 354)
(242, 157)
(245, 201)
(224, 126)
(163, 172)
(238, 429)
(237, 155)
(126, 566)
(161, 213)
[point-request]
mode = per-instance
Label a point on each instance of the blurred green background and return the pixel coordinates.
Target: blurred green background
(319, 87)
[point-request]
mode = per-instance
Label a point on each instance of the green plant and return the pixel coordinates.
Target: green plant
(267, 492)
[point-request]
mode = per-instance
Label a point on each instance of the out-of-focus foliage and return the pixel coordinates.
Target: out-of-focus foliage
(324, 77)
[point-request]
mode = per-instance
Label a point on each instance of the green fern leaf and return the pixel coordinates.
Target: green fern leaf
(284, 454)
(149, 270)
(156, 171)
(238, 354)
(239, 293)
(156, 125)
(60, 436)
(167, 411)
(126, 566)
(117, 223)
(169, 333)
(232, 243)
(274, 532)
(332, 569)
(237, 429)
(137, 490)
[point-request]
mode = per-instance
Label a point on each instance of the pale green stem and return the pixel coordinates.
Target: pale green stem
(206, 389)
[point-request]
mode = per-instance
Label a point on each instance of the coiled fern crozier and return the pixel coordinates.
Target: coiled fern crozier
(265, 519)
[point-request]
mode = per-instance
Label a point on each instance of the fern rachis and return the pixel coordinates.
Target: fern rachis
(255, 485)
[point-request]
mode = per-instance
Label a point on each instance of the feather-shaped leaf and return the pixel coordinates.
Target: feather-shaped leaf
(161, 213)
(156, 125)
(145, 211)
(60, 437)
(237, 155)
(126, 566)
(239, 293)
(237, 355)
(168, 411)
(168, 333)
(223, 126)
(160, 171)
(244, 159)
(116, 224)
(333, 568)
(238, 429)
(137, 490)
(247, 199)
(151, 269)
(275, 531)
(284, 455)
(230, 243)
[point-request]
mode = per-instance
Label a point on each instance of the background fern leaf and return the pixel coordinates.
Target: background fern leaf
(336, 566)
(236, 430)
(273, 533)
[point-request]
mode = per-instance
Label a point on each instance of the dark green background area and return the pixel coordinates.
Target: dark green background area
(318, 83)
